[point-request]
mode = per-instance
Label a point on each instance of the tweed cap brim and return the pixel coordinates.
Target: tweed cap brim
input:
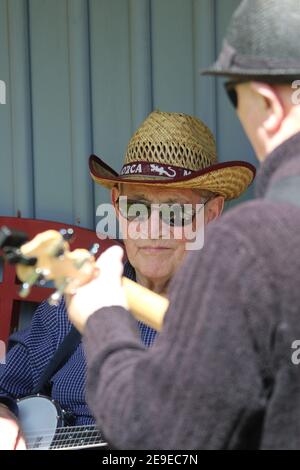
(228, 179)
(261, 42)
(234, 65)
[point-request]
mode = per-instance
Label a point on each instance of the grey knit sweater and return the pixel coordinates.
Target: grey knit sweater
(220, 375)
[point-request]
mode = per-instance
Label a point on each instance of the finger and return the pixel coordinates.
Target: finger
(114, 252)
(20, 443)
(110, 262)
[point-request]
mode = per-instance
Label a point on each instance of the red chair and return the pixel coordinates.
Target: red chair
(10, 301)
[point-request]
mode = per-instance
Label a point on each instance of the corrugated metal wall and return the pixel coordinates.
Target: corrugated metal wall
(81, 75)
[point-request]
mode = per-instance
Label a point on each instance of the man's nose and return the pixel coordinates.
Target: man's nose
(150, 227)
(157, 229)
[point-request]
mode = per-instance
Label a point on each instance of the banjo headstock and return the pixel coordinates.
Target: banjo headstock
(47, 257)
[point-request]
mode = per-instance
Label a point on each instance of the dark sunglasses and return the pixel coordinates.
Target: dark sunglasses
(174, 214)
(230, 88)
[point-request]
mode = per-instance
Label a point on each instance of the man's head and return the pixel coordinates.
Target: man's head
(158, 252)
(269, 113)
(170, 160)
(261, 60)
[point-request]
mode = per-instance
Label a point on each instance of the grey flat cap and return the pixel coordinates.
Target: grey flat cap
(262, 41)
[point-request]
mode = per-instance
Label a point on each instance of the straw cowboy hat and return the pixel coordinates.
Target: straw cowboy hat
(174, 150)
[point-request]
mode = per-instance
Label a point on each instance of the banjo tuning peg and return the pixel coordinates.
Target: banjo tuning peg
(41, 280)
(11, 238)
(34, 278)
(67, 234)
(14, 256)
(55, 298)
(94, 249)
(25, 289)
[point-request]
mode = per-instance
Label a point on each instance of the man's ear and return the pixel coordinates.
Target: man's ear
(214, 208)
(115, 193)
(273, 106)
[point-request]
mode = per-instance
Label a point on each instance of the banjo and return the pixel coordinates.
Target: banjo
(44, 426)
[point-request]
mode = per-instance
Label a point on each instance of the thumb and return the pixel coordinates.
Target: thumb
(110, 262)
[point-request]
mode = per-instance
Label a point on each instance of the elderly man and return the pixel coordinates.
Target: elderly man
(170, 160)
(223, 373)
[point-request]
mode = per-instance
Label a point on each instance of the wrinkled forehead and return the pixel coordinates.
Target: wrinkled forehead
(158, 194)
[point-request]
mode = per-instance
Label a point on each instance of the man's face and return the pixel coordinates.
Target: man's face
(156, 257)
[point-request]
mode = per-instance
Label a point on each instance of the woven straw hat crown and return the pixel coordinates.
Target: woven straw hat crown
(172, 138)
(175, 151)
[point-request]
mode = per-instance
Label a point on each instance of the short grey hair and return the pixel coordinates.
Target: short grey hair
(205, 194)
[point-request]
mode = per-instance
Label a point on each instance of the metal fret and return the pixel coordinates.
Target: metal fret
(73, 437)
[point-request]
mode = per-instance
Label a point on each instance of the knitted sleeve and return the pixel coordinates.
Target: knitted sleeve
(200, 386)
